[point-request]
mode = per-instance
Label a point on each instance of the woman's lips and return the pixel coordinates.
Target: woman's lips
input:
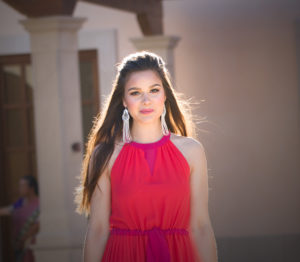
(146, 111)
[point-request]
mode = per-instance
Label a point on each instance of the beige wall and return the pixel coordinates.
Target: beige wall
(244, 66)
(242, 62)
(105, 18)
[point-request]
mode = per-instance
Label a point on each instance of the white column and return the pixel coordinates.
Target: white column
(161, 45)
(57, 116)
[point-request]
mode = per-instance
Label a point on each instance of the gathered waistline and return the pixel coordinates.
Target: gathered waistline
(157, 249)
(126, 231)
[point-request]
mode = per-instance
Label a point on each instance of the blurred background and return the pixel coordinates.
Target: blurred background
(239, 59)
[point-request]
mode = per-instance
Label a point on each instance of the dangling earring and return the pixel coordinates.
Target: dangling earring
(164, 126)
(126, 131)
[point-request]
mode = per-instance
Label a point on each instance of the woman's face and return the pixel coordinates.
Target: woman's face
(24, 188)
(144, 96)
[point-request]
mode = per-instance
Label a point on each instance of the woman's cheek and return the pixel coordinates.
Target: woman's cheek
(132, 105)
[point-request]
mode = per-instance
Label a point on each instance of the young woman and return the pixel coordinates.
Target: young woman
(25, 213)
(144, 180)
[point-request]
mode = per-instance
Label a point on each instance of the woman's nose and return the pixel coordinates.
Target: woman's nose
(146, 98)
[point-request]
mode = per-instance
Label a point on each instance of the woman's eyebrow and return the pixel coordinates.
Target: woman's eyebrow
(131, 88)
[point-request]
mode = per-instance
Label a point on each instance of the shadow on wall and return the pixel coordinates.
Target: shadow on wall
(281, 248)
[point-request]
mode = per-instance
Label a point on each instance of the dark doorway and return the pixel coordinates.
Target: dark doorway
(17, 136)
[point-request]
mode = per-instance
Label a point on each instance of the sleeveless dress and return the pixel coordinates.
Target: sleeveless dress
(150, 205)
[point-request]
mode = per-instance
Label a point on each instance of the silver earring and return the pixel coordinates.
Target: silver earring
(164, 126)
(126, 131)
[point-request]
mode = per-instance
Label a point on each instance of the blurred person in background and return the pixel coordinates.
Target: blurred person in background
(25, 213)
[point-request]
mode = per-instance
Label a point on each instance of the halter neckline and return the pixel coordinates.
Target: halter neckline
(158, 143)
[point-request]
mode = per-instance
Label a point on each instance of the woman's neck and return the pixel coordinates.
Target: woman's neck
(146, 133)
(30, 197)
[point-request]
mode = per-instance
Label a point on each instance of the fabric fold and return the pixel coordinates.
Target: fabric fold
(157, 247)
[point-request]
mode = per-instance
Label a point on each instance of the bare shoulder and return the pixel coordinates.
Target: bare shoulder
(118, 146)
(117, 149)
(187, 142)
(190, 147)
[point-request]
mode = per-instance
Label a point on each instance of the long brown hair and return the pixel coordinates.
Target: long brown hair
(107, 125)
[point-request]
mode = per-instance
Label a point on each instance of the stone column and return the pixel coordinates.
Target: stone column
(161, 45)
(58, 125)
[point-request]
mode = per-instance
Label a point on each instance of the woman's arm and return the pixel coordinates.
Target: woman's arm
(98, 225)
(200, 223)
(6, 211)
(33, 230)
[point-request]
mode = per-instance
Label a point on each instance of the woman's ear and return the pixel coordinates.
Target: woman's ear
(124, 104)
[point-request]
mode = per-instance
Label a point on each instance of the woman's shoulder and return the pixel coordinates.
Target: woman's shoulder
(118, 145)
(187, 142)
(18, 204)
(190, 148)
(37, 201)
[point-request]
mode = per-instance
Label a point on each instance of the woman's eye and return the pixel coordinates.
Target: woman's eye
(134, 93)
(154, 90)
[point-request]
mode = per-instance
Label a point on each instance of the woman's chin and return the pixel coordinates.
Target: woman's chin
(147, 120)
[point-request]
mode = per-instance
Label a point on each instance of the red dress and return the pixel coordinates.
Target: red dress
(150, 205)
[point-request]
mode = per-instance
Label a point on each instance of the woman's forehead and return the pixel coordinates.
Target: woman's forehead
(143, 78)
